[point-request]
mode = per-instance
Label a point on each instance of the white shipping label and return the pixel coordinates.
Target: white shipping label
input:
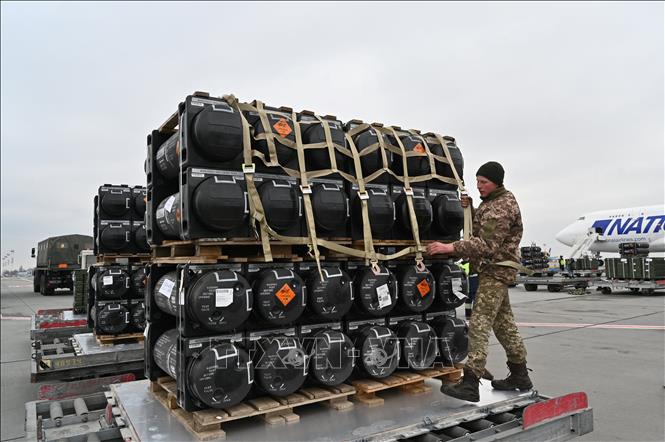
(223, 297)
(168, 205)
(107, 280)
(383, 293)
(457, 288)
(167, 288)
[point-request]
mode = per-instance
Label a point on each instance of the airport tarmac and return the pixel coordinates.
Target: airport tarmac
(610, 346)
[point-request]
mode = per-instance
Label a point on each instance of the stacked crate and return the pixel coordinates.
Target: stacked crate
(81, 288)
(290, 246)
(534, 258)
(115, 304)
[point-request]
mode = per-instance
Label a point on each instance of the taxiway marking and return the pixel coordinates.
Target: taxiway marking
(604, 326)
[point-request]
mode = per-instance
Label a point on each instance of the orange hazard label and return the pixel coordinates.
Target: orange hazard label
(282, 127)
(285, 294)
(423, 287)
(419, 148)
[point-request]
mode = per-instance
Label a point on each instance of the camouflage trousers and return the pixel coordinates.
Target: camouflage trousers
(492, 311)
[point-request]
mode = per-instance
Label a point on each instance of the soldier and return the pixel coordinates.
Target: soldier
(493, 252)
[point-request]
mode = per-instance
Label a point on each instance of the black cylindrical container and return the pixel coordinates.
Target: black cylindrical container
(168, 216)
(279, 296)
(331, 297)
(422, 208)
(452, 285)
(281, 204)
(318, 159)
(378, 351)
(140, 205)
(114, 237)
(137, 315)
(453, 338)
(167, 155)
(370, 162)
(110, 319)
(416, 165)
(331, 357)
(417, 344)
(280, 365)
(416, 287)
(280, 124)
(217, 133)
(330, 206)
(220, 376)
(110, 283)
(375, 293)
(444, 169)
(219, 300)
(381, 211)
(139, 279)
(114, 204)
(220, 204)
(448, 215)
(141, 238)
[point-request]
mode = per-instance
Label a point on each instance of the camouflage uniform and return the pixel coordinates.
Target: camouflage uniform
(497, 232)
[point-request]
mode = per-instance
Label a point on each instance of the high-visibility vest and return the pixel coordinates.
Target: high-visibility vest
(465, 267)
(562, 262)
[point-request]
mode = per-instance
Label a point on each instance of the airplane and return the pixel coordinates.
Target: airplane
(604, 230)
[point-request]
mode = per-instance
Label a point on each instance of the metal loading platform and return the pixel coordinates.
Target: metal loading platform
(428, 417)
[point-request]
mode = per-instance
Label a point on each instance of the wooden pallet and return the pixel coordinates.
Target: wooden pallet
(125, 338)
(213, 251)
(123, 258)
(409, 382)
(207, 424)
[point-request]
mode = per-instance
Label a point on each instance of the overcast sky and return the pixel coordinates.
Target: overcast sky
(567, 96)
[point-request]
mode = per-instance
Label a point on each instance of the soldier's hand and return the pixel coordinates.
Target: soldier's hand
(466, 201)
(438, 248)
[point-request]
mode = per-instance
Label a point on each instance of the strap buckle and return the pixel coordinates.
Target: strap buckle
(376, 269)
(248, 168)
(306, 190)
(408, 191)
(364, 196)
(420, 265)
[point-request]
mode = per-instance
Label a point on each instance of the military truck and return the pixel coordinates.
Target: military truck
(57, 258)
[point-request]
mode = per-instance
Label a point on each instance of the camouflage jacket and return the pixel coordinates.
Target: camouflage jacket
(497, 232)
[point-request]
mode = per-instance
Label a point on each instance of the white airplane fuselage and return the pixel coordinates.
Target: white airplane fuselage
(637, 224)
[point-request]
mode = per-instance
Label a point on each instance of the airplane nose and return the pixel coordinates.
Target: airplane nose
(566, 236)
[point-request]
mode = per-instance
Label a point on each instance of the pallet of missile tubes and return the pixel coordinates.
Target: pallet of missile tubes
(288, 238)
(230, 180)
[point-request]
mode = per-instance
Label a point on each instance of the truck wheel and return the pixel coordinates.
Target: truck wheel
(635, 290)
(606, 290)
(35, 282)
(648, 291)
(42, 285)
(530, 287)
(554, 288)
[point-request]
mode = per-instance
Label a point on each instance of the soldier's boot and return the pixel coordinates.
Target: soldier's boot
(467, 390)
(518, 379)
(487, 375)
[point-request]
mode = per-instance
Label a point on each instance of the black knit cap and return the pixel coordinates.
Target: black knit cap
(493, 171)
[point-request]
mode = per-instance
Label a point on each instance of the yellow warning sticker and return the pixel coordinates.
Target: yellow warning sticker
(419, 148)
(423, 287)
(282, 127)
(285, 294)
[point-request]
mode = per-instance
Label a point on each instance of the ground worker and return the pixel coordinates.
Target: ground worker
(493, 251)
(562, 263)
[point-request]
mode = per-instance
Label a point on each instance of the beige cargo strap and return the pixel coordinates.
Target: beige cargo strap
(306, 192)
(362, 194)
(248, 168)
(514, 265)
(408, 192)
(468, 224)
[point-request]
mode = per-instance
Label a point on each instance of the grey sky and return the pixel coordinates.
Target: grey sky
(568, 96)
